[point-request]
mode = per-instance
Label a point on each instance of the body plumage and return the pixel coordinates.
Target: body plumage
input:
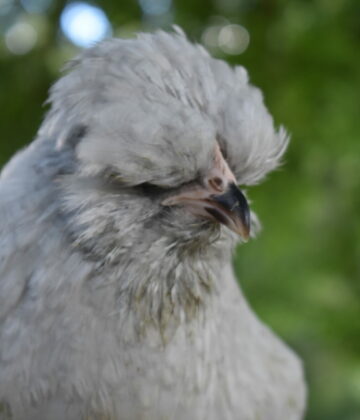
(116, 301)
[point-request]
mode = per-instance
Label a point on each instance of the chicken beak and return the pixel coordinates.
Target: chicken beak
(229, 208)
(217, 199)
(232, 210)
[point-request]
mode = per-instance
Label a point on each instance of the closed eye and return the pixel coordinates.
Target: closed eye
(148, 189)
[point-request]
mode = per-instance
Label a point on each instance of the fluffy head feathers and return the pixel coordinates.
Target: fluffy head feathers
(153, 108)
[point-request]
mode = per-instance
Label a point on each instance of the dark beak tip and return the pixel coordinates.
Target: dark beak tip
(234, 201)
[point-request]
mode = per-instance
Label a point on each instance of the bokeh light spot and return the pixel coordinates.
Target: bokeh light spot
(20, 38)
(84, 24)
(233, 39)
(210, 36)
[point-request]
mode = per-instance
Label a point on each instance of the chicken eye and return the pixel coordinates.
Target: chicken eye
(149, 189)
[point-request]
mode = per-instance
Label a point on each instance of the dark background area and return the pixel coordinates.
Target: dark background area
(302, 275)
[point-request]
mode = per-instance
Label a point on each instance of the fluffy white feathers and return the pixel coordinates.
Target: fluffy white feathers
(159, 98)
(110, 305)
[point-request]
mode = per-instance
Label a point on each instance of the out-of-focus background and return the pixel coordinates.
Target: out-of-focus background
(302, 275)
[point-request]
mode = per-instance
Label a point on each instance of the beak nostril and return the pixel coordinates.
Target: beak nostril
(216, 183)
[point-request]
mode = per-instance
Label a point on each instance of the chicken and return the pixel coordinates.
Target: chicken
(117, 226)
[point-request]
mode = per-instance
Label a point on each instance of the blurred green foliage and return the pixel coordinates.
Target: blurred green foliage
(302, 274)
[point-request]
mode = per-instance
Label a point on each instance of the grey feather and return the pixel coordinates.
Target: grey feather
(112, 307)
